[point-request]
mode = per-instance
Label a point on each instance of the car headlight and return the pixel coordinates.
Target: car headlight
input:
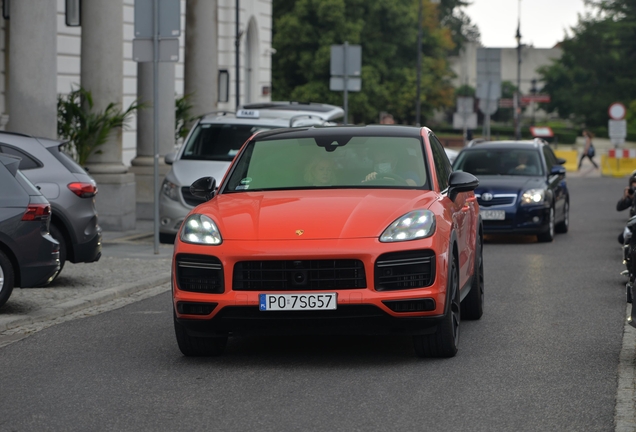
(170, 190)
(533, 196)
(417, 224)
(200, 229)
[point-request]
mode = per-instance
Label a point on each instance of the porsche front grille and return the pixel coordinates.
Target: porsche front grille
(299, 275)
(404, 270)
(199, 273)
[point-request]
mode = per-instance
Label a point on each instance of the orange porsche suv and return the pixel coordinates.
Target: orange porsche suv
(357, 230)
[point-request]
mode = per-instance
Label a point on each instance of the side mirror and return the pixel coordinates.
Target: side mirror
(169, 158)
(460, 181)
(203, 188)
(557, 170)
(561, 161)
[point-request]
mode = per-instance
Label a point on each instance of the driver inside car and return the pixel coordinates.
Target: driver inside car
(386, 165)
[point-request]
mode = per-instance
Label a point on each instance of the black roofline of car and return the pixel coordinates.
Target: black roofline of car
(366, 130)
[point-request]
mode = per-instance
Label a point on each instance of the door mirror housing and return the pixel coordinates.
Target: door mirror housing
(204, 188)
(460, 181)
(561, 161)
(170, 158)
(557, 170)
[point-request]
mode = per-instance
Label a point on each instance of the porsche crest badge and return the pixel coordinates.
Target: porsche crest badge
(300, 232)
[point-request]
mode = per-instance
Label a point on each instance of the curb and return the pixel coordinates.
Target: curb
(90, 300)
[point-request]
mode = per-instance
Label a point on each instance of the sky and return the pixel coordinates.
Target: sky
(543, 22)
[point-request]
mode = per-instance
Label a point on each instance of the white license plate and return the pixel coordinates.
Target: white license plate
(493, 214)
(298, 301)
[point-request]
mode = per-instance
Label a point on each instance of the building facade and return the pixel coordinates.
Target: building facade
(39, 62)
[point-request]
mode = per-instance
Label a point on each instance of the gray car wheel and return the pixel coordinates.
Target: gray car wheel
(6, 278)
(548, 236)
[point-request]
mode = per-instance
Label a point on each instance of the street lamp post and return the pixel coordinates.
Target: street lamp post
(518, 92)
(419, 61)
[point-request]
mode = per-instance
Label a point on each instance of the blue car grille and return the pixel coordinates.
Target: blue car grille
(497, 201)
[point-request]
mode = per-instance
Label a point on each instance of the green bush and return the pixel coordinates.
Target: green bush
(86, 129)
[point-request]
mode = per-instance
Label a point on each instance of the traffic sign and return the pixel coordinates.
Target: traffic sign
(541, 131)
(354, 84)
(488, 106)
(468, 121)
(617, 111)
(169, 19)
(354, 60)
(488, 73)
(465, 105)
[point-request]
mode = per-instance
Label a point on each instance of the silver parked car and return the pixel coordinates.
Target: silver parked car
(69, 189)
(214, 141)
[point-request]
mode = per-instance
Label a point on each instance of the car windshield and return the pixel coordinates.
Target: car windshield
(328, 162)
(516, 162)
(219, 142)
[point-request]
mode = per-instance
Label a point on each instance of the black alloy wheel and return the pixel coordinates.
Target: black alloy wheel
(445, 341)
(191, 346)
(7, 278)
(563, 226)
(548, 236)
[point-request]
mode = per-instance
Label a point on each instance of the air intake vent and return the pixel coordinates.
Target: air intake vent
(299, 274)
(405, 270)
(195, 308)
(200, 273)
(414, 305)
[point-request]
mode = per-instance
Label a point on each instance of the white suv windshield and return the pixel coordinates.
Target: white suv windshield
(220, 142)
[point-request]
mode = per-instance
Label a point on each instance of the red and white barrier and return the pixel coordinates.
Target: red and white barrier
(621, 153)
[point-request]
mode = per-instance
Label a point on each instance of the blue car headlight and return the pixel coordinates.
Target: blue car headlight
(200, 229)
(414, 225)
(533, 197)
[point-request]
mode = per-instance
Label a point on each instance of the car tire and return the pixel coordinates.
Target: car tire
(548, 236)
(167, 238)
(564, 226)
(445, 341)
(191, 346)
(7, 278)
(56, 233)
(473, 304)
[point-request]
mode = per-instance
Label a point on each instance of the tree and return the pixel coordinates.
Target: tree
(597, 65)
(304, 30)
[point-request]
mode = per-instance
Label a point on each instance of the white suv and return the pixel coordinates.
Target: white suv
(214, 141)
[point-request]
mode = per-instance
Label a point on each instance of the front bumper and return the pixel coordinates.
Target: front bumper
(171, 214)
(529, 220)
(360, 310)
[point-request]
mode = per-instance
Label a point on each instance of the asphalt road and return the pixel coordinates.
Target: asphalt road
(544, 357)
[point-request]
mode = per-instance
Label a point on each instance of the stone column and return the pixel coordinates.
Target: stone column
(201, 65)
(102, 75)
(143, 164)
(32, 90)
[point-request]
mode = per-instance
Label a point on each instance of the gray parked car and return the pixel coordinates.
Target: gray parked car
(29, 256)
(214, 141)
(69, 189)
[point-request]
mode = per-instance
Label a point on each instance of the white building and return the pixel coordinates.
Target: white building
(42, 57)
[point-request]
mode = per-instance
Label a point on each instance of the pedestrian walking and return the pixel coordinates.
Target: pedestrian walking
(588, 151)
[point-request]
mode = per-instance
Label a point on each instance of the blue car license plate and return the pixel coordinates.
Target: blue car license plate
(493, 214)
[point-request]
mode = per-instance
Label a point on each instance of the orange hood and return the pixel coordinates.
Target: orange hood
(314, 214)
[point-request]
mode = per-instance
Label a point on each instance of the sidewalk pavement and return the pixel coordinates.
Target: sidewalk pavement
(128, 266)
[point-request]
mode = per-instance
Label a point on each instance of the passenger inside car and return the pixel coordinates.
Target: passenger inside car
(525, 165)
(320, 172)
(387, 164)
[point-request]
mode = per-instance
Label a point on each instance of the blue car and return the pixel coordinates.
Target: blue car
(522, 187)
